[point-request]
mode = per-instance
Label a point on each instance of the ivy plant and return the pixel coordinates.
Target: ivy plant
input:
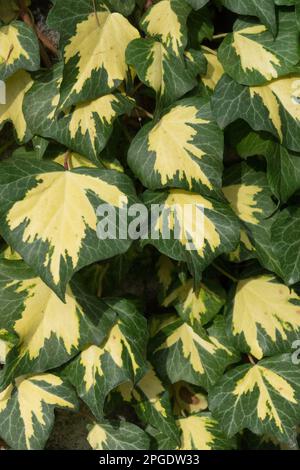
(167, 102)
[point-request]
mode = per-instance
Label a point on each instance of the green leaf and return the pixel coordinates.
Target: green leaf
(50, 332)
(265, 10)
(160, 69)
(274, 107)
(166, 20)
(179, 352)
(19, 49)
(178, 236)
(263, 316)
(202, 432)
(126, 8)
(9, 9)
(251, 55)
(184, 149)
(197, 4)
(32, 192)
(119, 358)
(85, 128)
(94, 49)
(263, 398)
(15, 88)
(117, 436)
(27, 409)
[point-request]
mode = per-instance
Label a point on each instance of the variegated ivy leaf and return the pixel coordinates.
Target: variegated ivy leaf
(265, 10)
(27, 409)
(19, 49)
(151, 401)
(179, 352)
(117, 436)
(180, 236)
(50, 331)
(16, 86)
(166, 274)
(214, 71)
(196, 307)
(251, 55)
(94, 49)
(245, 249)
(85, 128)
(263, 398)
(166, 20)
(248, 193)
(73, 160)
(7, 342)
(48, 215)
(187, 399)
(160, 69)
(263, 316)
(119, 358)
(184, 149)
(202, 432)
(274, 107)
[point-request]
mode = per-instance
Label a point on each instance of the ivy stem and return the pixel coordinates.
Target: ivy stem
(225, 273)
(251, 359)
(67, 162)
(208, 49)
(145, 112)
(219, 36)
(96, 13)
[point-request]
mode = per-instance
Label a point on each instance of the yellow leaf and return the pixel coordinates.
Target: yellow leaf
(75, 161)
(16, 87)
(196, 433)
(10, 46)
(50, 211)
(155, 72)
(242, 200)
(266, 303)
(214, 71)
(97, 437)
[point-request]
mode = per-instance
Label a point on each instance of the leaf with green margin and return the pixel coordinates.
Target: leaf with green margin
(252, 56)
(34, 314)
(179, 352)
(166, 20)
(119, 358)
(32, 192)
(274, 107)
(151, 402)
(184, 149)
(264, 10)
(160, 69)
(12, 111)
(248, 193)
(94, 49)
(202, 432)
(196, 307)
(263, 398)
(185, 242)
(85, 129)
(27, 409)
(263, 316)
(112, 435)
(19, 49)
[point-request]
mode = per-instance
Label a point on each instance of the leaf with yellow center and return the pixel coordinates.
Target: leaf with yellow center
(184, 149)
(180, 352)
(118, 359)
(54, 213)
(117, 436)
(265, 316)
(252, 56)
(160, 69)
(244, 251)
(191, 228)
(95, 57)
(27, 411)
(12, 110)
(242, 201)
(201, 432)
(19, 49)
(167, 20)
(263, 398)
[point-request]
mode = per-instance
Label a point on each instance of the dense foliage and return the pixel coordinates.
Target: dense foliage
(169, 102)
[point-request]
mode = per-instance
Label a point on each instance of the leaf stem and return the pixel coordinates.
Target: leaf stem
(96, 13)
(146, 113)
(219, 36)
(251, 359)
(225, 273)
(208, 49)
